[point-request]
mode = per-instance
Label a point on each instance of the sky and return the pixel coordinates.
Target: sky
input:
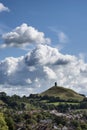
(42, 42)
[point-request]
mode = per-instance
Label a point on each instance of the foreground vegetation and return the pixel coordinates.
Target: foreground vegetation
(42, 112)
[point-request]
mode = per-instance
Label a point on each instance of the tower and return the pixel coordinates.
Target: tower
(55, 84)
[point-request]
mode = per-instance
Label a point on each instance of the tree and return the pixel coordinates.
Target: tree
(60, 120)
(75, 123)
(60, 126)
(3, 125)
(83, 126)
(78, 128)
(10, 123)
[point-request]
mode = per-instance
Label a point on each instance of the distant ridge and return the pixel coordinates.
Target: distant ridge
(63, 93)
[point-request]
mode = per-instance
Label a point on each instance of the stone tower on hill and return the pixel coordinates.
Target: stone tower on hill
(55, 84)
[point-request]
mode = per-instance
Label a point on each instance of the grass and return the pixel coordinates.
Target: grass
(57, 103)
(54, 103)
(44, 101)
(63, 93)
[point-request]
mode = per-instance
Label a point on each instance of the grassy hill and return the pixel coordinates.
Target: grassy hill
(63, 93)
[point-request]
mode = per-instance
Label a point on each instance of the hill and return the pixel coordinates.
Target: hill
(63, 93)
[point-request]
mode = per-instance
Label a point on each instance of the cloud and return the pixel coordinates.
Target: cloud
(46, 55)
(23, 36)
(39, 69)
(3, 8)
(62, 37)
(49, 73)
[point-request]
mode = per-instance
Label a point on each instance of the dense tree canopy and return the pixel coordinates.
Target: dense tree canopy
(3, 125)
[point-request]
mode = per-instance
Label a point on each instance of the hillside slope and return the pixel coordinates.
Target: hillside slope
(63, 93)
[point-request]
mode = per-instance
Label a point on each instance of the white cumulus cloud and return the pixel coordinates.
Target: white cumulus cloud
(3, 8)
(39, 69)
(23, 36)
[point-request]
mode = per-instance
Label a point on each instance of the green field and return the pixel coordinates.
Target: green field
(58, 103)
(62, 93)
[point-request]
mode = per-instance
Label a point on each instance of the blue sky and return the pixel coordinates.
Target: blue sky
(67, 16)
(56, 24)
